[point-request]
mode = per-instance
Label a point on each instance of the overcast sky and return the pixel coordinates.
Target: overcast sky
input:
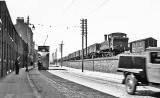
(60, 20)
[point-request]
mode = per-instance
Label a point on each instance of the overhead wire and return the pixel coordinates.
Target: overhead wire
(69, 6)
(103, 3)
(99, 6)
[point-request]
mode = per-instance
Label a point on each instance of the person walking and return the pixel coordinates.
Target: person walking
(26, 67)
(17, 65)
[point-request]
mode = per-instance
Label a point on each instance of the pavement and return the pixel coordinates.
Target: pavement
(118, 78)
(17, 86)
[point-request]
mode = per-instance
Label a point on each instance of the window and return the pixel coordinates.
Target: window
(155, 57)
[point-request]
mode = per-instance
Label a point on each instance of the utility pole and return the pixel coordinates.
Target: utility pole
(82, 26)
(61, 48)
(85, 22)
(84, 33)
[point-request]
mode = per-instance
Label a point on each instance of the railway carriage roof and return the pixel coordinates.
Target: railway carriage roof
(143, 39)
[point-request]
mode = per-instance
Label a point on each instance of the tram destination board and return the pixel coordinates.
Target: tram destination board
(43, 57)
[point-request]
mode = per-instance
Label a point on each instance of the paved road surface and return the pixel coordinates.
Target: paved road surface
(51, 86)
(104, 82)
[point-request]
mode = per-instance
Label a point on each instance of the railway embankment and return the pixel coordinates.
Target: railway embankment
(109, 64)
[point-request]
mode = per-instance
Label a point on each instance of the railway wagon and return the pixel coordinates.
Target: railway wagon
(80, 54)
(93, 50)
(86, 50)
(77, 54)
(72, 56)
(85, 54)
(141, 45)
(65, 58)
(114, 44)
(69, 56)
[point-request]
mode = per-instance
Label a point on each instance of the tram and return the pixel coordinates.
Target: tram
(43, 57)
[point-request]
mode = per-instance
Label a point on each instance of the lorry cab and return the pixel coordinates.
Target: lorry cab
(153, 64)
(140, 69)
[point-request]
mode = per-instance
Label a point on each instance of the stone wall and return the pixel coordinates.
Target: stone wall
(102, 65)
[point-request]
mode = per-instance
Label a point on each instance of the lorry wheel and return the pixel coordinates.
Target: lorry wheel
(131, 84)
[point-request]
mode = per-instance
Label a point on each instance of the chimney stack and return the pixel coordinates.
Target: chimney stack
(20, 20)
(105, 37)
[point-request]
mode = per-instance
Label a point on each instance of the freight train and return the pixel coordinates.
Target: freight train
(114, 44)
(11, 44)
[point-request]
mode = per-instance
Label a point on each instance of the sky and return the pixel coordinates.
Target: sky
(60, 20)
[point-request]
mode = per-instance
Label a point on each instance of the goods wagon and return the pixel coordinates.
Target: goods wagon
(77, 54)
(72, 56)
(93, 50)
(142, 44)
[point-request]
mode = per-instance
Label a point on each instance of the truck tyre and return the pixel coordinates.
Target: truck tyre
(131, 84)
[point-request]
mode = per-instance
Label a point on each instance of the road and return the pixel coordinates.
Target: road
(52, 86)
(105, 84)
(63, 83)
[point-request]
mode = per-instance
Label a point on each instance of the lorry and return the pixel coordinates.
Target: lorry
(141, 69)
